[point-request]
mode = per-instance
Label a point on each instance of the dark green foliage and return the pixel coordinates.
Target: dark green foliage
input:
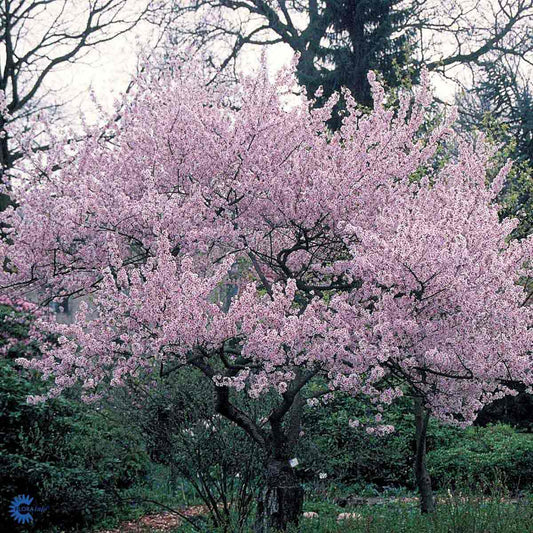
(363, 464)
(516, 197)
(516, 411)
(351, 456)
(482, 457)
(348, 39)
(67, 456)
(507, 96)
(364, 36)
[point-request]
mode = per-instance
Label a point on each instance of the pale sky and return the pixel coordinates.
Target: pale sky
(108, 69)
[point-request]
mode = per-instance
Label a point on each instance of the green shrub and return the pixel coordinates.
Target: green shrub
(68, 456)
(209, 460)
(483, 456)
(356, 462)
(350, 456)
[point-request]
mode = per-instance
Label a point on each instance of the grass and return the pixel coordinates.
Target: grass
(455, 516)
(397, 513)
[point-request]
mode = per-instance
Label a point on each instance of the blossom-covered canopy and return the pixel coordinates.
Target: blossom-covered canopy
(373, 256)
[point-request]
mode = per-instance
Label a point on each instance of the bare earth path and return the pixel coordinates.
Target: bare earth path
(165, 521)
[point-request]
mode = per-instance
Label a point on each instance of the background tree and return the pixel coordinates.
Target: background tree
(339, 41)
(464, 34)
(500, 105)
(369, 262)
(358, 36)
(37, 38)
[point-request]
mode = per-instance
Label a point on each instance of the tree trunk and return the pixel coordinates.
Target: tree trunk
(423, 480)
(5, 164)
(281, 503)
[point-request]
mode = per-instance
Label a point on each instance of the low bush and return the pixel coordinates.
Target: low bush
(71, 458)
(484, 456)
(364, 464)
(208, 459)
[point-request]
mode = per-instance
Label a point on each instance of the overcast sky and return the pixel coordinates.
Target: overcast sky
(108, 69)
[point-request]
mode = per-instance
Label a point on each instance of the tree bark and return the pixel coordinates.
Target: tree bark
(281, 503)
(423, 479)
(5, 164)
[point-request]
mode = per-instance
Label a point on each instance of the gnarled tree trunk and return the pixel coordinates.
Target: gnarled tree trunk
(423, 479)
(281, 503)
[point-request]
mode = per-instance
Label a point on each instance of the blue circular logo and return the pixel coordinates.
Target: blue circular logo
(20, 509)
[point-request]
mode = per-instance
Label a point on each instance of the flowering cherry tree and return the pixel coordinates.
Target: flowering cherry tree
(372, 257)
